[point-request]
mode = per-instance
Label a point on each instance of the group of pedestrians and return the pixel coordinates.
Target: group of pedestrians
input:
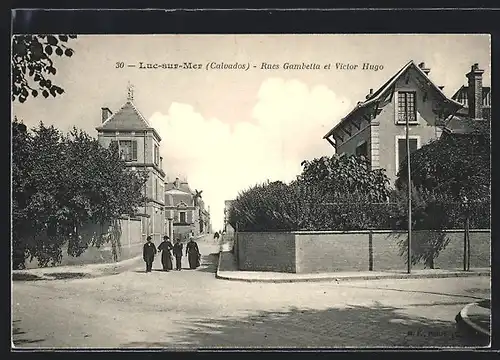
(168, 249)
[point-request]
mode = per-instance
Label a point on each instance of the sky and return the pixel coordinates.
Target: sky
(226, 130)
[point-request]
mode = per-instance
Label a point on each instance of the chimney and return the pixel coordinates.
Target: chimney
(369, 94)
(176, 183)
(475, 92)
(424, 69)
(105, 114)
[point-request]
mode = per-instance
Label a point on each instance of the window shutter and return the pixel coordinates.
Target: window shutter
(402, 150)
(413, 145)
(134, 150)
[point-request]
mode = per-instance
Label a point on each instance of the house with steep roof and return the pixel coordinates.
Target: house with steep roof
(139, 145)
(376, 127)
(185, 210)
(476, 101)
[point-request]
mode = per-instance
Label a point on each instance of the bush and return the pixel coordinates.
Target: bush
(338, 193)
(59, 184)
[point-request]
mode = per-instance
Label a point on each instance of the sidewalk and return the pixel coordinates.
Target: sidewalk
(476, 317)
(84, 270)
(227, 270)
(76, 271)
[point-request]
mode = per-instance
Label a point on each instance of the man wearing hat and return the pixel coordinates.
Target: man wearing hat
(148, 253)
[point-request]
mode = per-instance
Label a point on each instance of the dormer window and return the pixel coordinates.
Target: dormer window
(406, 107)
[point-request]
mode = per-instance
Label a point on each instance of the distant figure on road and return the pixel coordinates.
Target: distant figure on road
(193, 254)
(148, 254)
(177, 250)
(216, 235)
(166, 255)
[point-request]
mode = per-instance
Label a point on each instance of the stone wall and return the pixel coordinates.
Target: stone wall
(332, 251)
(266, 251)
(129, 245)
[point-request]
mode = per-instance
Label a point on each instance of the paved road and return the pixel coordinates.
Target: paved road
(192, 309)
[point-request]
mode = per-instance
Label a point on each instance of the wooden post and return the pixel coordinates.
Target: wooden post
(465, 250)
(370, 251)
(467, 235)
(235, 246)
(466, 230)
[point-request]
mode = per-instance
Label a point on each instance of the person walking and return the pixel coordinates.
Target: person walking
(148, 254)
(177, 250)
(166, 255)
(193, 254)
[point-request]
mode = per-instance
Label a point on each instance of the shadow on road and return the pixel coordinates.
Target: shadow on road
(354, 327)
(25, 277)
(17, 336)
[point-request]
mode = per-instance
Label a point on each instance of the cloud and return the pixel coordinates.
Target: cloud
(286, 126)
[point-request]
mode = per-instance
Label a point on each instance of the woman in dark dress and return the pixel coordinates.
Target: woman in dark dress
(166, 255)
(193, 254)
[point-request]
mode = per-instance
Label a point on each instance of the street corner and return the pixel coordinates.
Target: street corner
(474, 319)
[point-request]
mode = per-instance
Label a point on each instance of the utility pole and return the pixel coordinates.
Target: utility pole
(409, 191)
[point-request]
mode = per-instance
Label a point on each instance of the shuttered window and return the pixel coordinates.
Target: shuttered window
(402, 150)
(127, 149)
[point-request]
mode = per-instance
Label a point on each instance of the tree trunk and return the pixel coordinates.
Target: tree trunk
(430, 262)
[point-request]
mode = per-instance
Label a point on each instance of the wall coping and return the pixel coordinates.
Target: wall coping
(332, 232)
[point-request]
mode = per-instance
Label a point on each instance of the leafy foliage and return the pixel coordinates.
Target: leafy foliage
(431, 214)
(338, 193)
(32, 64)
(454, 164)
(443, 173)
(62, 182)
(349, 174)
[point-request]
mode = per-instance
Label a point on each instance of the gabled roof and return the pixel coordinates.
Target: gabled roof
(183, 188)
(128, 117)
(381, 94)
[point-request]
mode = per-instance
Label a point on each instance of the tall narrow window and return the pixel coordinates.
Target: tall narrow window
(401, 154)
(157, 155)
(155, 184)
(182, 217)
(407, 106)
(128, 149)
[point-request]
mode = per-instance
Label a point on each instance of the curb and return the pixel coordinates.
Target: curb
(350, 278)
(464, 317)
(220, 276)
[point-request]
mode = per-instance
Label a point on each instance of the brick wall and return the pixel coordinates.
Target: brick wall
(331, 251)
(266, 252)
(317, 253)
